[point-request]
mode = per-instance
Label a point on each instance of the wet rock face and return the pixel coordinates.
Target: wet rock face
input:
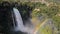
(5, 17)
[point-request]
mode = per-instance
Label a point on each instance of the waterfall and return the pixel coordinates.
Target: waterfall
(19, 21)
(13, 19)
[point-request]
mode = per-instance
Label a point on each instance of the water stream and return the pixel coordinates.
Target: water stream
(19, 22)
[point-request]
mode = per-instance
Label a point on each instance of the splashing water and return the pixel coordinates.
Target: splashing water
(19, 21)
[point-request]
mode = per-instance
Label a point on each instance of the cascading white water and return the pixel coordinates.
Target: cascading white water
(19, 21)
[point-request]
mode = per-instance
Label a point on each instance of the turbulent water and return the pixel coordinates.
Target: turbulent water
(19, 22)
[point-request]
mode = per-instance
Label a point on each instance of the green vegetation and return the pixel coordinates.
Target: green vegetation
(45, 30)
(50, 12)
(57, 22)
